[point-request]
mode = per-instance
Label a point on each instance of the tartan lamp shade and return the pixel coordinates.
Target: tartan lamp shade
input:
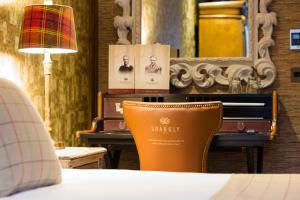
(48, 29)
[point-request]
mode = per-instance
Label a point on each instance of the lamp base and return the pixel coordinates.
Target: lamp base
(59, 145)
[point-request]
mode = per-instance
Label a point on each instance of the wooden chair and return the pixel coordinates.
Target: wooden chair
(173, 136)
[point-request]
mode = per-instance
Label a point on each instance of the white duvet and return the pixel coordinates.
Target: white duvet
(127, 185)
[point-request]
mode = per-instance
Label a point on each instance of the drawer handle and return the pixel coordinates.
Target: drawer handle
(122, 125)
(241, 126)
(119, 108)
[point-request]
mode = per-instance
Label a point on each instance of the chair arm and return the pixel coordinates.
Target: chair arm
(97, 124)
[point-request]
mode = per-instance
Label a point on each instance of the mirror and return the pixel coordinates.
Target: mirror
(197, 28)
(206, 72)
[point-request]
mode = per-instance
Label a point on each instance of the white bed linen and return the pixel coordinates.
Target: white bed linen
(127, 184)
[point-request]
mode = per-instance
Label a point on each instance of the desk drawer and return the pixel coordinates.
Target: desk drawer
(115, 125)
(113, 106)
(255, 126)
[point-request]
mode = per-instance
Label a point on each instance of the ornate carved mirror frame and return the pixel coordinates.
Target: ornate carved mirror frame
(207, 72)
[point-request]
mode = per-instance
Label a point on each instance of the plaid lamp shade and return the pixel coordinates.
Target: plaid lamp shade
(48, 29)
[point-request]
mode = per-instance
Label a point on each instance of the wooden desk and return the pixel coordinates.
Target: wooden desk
(250, 120)
(115, 142)
(80, 157)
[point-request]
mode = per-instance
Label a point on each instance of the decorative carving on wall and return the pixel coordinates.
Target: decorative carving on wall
(123, 23)
(264, 65)
(180, 75)
(205, 74)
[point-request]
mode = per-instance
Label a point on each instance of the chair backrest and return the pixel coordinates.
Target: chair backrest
(173, 136)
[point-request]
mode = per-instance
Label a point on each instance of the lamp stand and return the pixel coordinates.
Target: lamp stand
(47, 72)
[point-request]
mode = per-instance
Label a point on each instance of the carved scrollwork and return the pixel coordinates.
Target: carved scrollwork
(205, 75)
(180, 75)
(123, 23)
(241, 72)
(264, 65)
(267, 20)
(266, 69)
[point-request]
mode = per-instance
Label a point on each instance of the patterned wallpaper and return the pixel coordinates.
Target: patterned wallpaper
(70, 81)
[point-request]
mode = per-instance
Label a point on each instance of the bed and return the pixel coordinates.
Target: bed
(131, 184)
(127, 184)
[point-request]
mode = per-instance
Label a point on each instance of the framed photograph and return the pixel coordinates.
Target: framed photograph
(121, 69)
(152, 73)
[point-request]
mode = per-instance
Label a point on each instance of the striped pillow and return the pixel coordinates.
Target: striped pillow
(27, 157)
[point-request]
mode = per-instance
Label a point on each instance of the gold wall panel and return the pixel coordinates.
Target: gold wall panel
(221, 29)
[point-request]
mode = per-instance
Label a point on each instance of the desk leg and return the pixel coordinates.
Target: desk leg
(112, 157)
(116, 159)
(260, 157)
(250, 159)
(107, 158)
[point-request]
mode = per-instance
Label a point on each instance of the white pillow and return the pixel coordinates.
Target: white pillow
(27, 157)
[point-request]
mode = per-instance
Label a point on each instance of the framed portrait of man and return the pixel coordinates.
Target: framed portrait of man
(152, 73)
(121, 69)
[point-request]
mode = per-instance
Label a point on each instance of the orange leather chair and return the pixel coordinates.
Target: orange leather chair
(173, 136)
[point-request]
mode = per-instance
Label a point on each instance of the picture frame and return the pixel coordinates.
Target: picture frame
(152, 68)
(121, 69)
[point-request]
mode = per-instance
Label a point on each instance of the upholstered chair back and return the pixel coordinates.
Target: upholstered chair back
(173, 136)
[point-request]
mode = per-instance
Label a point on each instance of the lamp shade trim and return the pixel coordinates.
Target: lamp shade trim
(48, 28)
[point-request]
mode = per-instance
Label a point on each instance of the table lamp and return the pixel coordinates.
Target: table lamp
(48, 29)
